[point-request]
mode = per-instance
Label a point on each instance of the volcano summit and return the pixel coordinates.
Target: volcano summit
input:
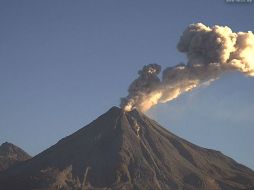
(127, 151)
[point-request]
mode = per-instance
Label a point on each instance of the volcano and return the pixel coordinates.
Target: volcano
(127, 151)
(10, 155)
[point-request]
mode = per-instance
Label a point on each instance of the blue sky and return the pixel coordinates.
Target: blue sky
(64, 63)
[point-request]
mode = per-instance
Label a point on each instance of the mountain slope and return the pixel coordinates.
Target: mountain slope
(127, 150)
(10, 155)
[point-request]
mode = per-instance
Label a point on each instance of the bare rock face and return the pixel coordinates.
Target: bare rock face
(127, 151)
(10, 155)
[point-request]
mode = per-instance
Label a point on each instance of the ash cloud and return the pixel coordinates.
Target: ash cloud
(210, 53)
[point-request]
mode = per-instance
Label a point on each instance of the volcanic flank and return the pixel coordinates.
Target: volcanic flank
(127, 150)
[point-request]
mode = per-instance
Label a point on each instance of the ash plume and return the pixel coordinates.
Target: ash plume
(210, 52)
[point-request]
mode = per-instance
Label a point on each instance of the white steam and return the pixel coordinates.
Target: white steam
(210, 52)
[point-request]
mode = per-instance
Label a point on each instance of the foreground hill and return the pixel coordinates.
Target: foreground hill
(127, 151)
(10, 155)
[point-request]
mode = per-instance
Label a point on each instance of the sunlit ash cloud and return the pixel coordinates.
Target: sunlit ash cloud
(210, 52)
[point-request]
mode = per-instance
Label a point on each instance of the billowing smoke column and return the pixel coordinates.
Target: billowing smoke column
(210, 52)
